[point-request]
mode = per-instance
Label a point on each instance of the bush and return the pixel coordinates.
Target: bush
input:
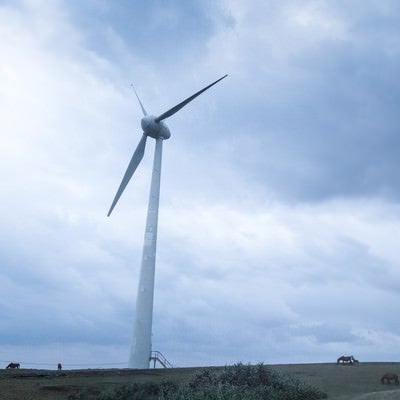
(247, 382)
(237, 382)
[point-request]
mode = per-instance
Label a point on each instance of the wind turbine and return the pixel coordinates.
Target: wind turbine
(155, 128)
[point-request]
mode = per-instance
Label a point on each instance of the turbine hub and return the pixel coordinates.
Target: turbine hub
(156, 130)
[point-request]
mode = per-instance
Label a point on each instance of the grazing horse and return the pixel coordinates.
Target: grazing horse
(346, 360)
(13, 365)
(388, 377)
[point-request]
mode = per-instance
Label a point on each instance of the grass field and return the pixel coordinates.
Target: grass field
(340, 382)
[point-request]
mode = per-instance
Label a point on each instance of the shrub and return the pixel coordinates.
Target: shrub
(248, 382)
(237, 382)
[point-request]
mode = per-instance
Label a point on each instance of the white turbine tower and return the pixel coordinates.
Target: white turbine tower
(154, 127)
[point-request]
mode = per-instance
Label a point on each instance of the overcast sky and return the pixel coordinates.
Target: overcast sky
(280, 196)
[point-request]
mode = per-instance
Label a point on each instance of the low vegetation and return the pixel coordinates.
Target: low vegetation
(359, 381)
(239, 382)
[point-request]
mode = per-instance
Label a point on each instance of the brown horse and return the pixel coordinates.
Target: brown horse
(388, 377)
(13, 365)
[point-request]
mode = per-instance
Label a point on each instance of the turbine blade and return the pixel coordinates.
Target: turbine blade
(141, 105)
(173, 110)
(135, 161)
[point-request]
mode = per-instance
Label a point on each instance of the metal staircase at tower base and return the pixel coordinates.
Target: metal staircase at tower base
(158, 356)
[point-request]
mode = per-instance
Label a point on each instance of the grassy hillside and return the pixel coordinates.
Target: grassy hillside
(345, 382)
(341, 382)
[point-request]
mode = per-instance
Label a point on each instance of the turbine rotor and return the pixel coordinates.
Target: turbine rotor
(156, 128)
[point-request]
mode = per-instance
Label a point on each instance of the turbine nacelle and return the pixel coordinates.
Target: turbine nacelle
(153, 128)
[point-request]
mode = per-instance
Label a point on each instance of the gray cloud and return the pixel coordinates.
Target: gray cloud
(317, 119)
(279, 210)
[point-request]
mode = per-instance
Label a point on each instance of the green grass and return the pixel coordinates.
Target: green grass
(340, 382)
(344, 382)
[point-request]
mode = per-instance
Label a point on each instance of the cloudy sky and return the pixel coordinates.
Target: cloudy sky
(280, 196)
